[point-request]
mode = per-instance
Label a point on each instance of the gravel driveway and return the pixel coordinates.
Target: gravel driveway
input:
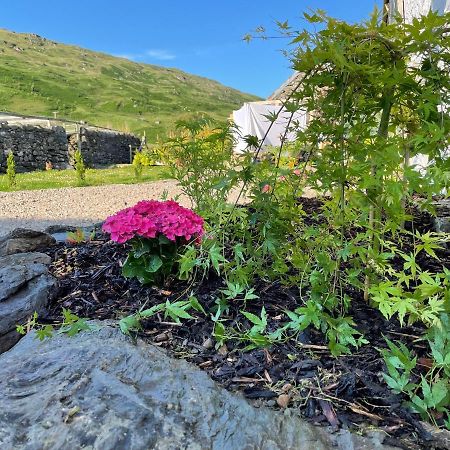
(75, 206)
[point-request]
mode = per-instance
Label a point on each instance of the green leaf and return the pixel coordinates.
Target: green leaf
(129, 323)
(152, 311)
(216, 257)
(252, 317)
(219, 333)
(44, 332)
(196, 304)
(154, 263)
(76, 327)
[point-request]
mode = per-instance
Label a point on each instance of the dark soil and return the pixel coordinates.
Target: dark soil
(348, 391)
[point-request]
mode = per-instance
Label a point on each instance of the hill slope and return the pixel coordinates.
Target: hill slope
(39, 76)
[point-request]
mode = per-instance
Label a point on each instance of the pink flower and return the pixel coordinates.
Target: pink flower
(266, 188)
(151, 218)
(297, 172)
(282, 178)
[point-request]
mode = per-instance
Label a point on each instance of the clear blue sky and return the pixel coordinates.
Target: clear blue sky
(198, 36)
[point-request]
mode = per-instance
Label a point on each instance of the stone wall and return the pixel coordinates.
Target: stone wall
(33, 146)
(103, 147)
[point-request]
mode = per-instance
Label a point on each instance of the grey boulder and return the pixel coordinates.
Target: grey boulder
(22, 240)
(24, 289)
(100, 390)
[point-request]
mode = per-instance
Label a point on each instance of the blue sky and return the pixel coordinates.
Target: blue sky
(198, 36)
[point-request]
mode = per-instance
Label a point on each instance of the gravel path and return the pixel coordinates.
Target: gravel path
(81, 206)
(75, 206)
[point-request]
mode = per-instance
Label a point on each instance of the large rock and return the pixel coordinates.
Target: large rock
(22, 240)
(101, 391)
(24, 289)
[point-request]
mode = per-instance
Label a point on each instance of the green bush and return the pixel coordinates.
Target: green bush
(200, 157)
(11, 170)
(80, 168)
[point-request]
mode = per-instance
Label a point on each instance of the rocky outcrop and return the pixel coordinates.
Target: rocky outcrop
(24, 289)
(22, 240)
(102, 391)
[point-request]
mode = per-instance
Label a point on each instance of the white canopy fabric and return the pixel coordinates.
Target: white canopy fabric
(416, 8)
(410, 9)
(252, 120)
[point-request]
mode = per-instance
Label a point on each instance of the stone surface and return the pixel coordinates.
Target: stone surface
(24, 288)
(440, 437)
(101, 391)
(23, 240)
(56, 229)
(103, 147)
(33, 146)
(36, 146)
(442, 219)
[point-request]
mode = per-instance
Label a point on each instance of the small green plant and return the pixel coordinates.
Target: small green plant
(140, 160)
(428, 393)
(80, 168)
(79, 236)
(176, 311)
(11, 170)
(70, 325)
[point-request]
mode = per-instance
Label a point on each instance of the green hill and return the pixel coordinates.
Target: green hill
(39, 76)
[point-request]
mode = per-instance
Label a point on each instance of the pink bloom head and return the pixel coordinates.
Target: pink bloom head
(266, 188)
(282, 178)
(297, 172)
(152, 218)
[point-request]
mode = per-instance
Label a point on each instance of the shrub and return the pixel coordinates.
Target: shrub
(80, 168)
(200, 157)
(157, 232)
(138, 164)
(11, 170)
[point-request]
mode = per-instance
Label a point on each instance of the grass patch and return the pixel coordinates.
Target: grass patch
(53, 179)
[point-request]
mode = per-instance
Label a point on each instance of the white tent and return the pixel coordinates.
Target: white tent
(409, 9)
(254, 119)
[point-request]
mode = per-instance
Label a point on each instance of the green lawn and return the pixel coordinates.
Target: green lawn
(94, 177)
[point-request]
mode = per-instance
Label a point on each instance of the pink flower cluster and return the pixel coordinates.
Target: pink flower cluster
(150, 218)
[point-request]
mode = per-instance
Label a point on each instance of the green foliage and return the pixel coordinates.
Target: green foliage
(141, 159)
(200, 157)
(175, 311)
(80, 168)
(430, 393)
(138, 164)
(70, 325)
(79, 236)
(151, 260)
(11, 170)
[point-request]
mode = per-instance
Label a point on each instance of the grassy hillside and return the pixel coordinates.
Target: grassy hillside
(39, 76)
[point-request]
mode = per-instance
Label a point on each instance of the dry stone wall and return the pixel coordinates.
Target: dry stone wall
(34, 146)
(103, 147)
